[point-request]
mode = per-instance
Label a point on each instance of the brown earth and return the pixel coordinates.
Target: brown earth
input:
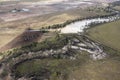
(28, 36)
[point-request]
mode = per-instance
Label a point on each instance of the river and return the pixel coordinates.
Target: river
(96, 51)
(79, 26)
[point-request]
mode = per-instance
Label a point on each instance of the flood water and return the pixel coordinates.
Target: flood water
(79, 26)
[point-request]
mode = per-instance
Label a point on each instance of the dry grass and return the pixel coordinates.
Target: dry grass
(7, 36)
(117, 8)
(107, 34)
(97, 70)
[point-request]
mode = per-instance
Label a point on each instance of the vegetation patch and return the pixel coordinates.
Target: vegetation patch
(59, 69)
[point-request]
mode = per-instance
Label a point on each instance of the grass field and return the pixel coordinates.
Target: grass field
(7, 36)
(97, 70)
(107, 34)
(117, 8)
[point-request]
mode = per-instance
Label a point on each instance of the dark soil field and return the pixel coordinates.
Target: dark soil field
(27, 37)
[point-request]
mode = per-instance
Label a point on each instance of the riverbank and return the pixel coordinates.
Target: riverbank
(59, 47)
(72, 49)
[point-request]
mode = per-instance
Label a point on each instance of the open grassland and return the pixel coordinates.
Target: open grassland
(117, 8)
(7, 36)
(97, 70)
(107, 34)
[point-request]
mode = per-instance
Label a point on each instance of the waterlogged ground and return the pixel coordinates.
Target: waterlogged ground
(10, 11)
(79, 26)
